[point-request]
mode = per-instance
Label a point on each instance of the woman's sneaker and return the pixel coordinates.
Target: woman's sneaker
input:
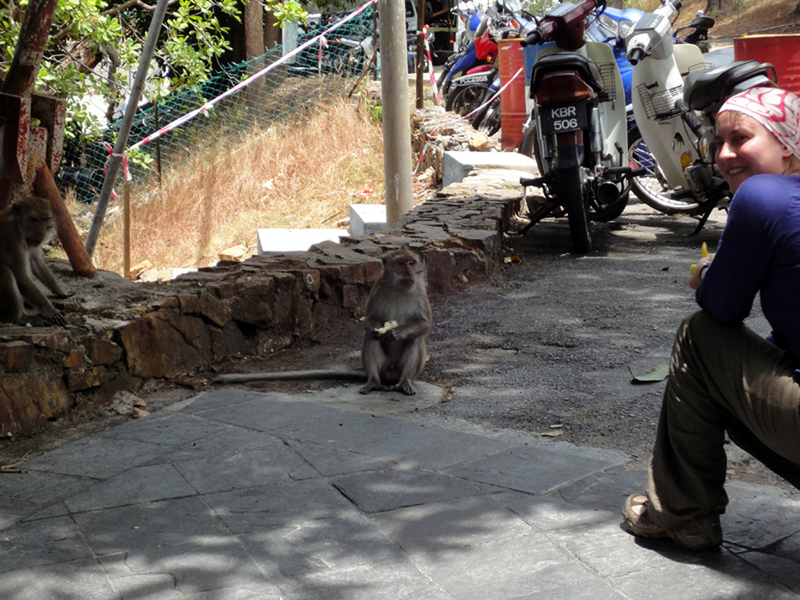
(700, 533)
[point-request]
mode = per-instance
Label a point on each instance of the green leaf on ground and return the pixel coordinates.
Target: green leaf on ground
(657, 373)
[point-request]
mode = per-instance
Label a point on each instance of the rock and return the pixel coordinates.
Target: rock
(214, 309)
(165, 344)
(28, 400)
(480, 143)
(83, 379)
(137, 270)
(251, 302)
(76, 359)
(103, 352)
(236, 253)
(16, 356)
(122, 403)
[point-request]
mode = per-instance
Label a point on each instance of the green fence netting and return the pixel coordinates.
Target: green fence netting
(327, 67)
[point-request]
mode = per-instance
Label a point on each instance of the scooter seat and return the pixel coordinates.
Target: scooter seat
(587, 69)
(706, 91)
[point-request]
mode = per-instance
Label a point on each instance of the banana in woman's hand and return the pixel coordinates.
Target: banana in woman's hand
(704, 251)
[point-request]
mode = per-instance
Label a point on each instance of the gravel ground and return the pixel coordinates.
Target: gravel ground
(550, 343)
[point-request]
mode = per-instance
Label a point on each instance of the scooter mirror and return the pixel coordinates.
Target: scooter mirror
(483, 26)
(702, 23)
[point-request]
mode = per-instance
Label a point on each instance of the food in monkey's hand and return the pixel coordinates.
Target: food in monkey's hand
(386, 327)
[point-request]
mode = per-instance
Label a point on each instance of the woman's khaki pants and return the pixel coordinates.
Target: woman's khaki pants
(721, 379)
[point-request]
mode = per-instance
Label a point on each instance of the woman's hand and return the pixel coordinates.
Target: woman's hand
(700, 272)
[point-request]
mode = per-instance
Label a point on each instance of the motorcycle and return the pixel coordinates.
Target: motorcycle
(604, 28)
(479, 55)
(578, 130)
(469, 91)
(468, 18)
(610, 27)
(463, 59)
(487, 119)
(675, 137)
(472, 90)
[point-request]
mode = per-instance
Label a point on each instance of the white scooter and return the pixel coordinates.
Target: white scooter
(660, 67)
(677, 131)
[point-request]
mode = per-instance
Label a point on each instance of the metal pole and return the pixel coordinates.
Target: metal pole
(396, 110)
(125, 128)
(158, 143)
(420, 63)
(126, 230)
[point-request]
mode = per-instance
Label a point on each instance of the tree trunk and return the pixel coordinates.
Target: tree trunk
(272, 33)
(253, 20)
(253, 29)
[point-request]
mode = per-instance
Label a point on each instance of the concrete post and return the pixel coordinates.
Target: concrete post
(396, 110)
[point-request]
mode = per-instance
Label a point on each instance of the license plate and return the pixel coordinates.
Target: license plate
(564, 118)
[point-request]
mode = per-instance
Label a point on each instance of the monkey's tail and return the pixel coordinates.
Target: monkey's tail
(310, 375)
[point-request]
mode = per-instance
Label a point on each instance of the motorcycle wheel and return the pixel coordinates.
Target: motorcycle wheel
(569, 188)
(487, 120)
(466, 99)
(443, 83)
(651, 188)
(530, 148)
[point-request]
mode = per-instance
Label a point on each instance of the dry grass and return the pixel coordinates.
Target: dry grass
(739, 17)
(305, 176)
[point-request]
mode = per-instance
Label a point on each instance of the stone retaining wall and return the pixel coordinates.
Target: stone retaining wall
(143, 331)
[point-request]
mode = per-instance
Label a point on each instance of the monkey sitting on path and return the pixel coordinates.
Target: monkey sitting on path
(25, 227)
(398, 320)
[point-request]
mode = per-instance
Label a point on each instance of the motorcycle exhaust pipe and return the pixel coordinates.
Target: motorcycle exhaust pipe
(607, 193)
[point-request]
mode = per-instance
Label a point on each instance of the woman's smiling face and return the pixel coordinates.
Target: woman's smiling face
(745, 148)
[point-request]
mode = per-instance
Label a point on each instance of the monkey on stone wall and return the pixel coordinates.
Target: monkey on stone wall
(398, 320)
(25, 227)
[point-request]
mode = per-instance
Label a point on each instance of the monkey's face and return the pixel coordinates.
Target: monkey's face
(35, 220)
(37, 230)
(405, 271)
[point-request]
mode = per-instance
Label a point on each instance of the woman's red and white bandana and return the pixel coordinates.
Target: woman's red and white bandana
(777, 110)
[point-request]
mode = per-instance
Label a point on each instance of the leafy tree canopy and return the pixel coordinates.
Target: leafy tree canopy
(94, 48)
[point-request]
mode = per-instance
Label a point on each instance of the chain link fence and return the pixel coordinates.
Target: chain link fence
(329, 66)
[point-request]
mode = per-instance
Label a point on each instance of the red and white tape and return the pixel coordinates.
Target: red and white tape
(430, 66)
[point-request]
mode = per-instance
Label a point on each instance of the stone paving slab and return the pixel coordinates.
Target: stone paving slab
(238, 495)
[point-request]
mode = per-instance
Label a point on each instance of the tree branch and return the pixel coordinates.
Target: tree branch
(117, 10)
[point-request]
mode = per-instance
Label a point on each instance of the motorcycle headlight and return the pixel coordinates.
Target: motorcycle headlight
(624, 27)
(608, 24)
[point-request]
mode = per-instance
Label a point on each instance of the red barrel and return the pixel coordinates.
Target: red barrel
(512, 100)
(783, 51)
